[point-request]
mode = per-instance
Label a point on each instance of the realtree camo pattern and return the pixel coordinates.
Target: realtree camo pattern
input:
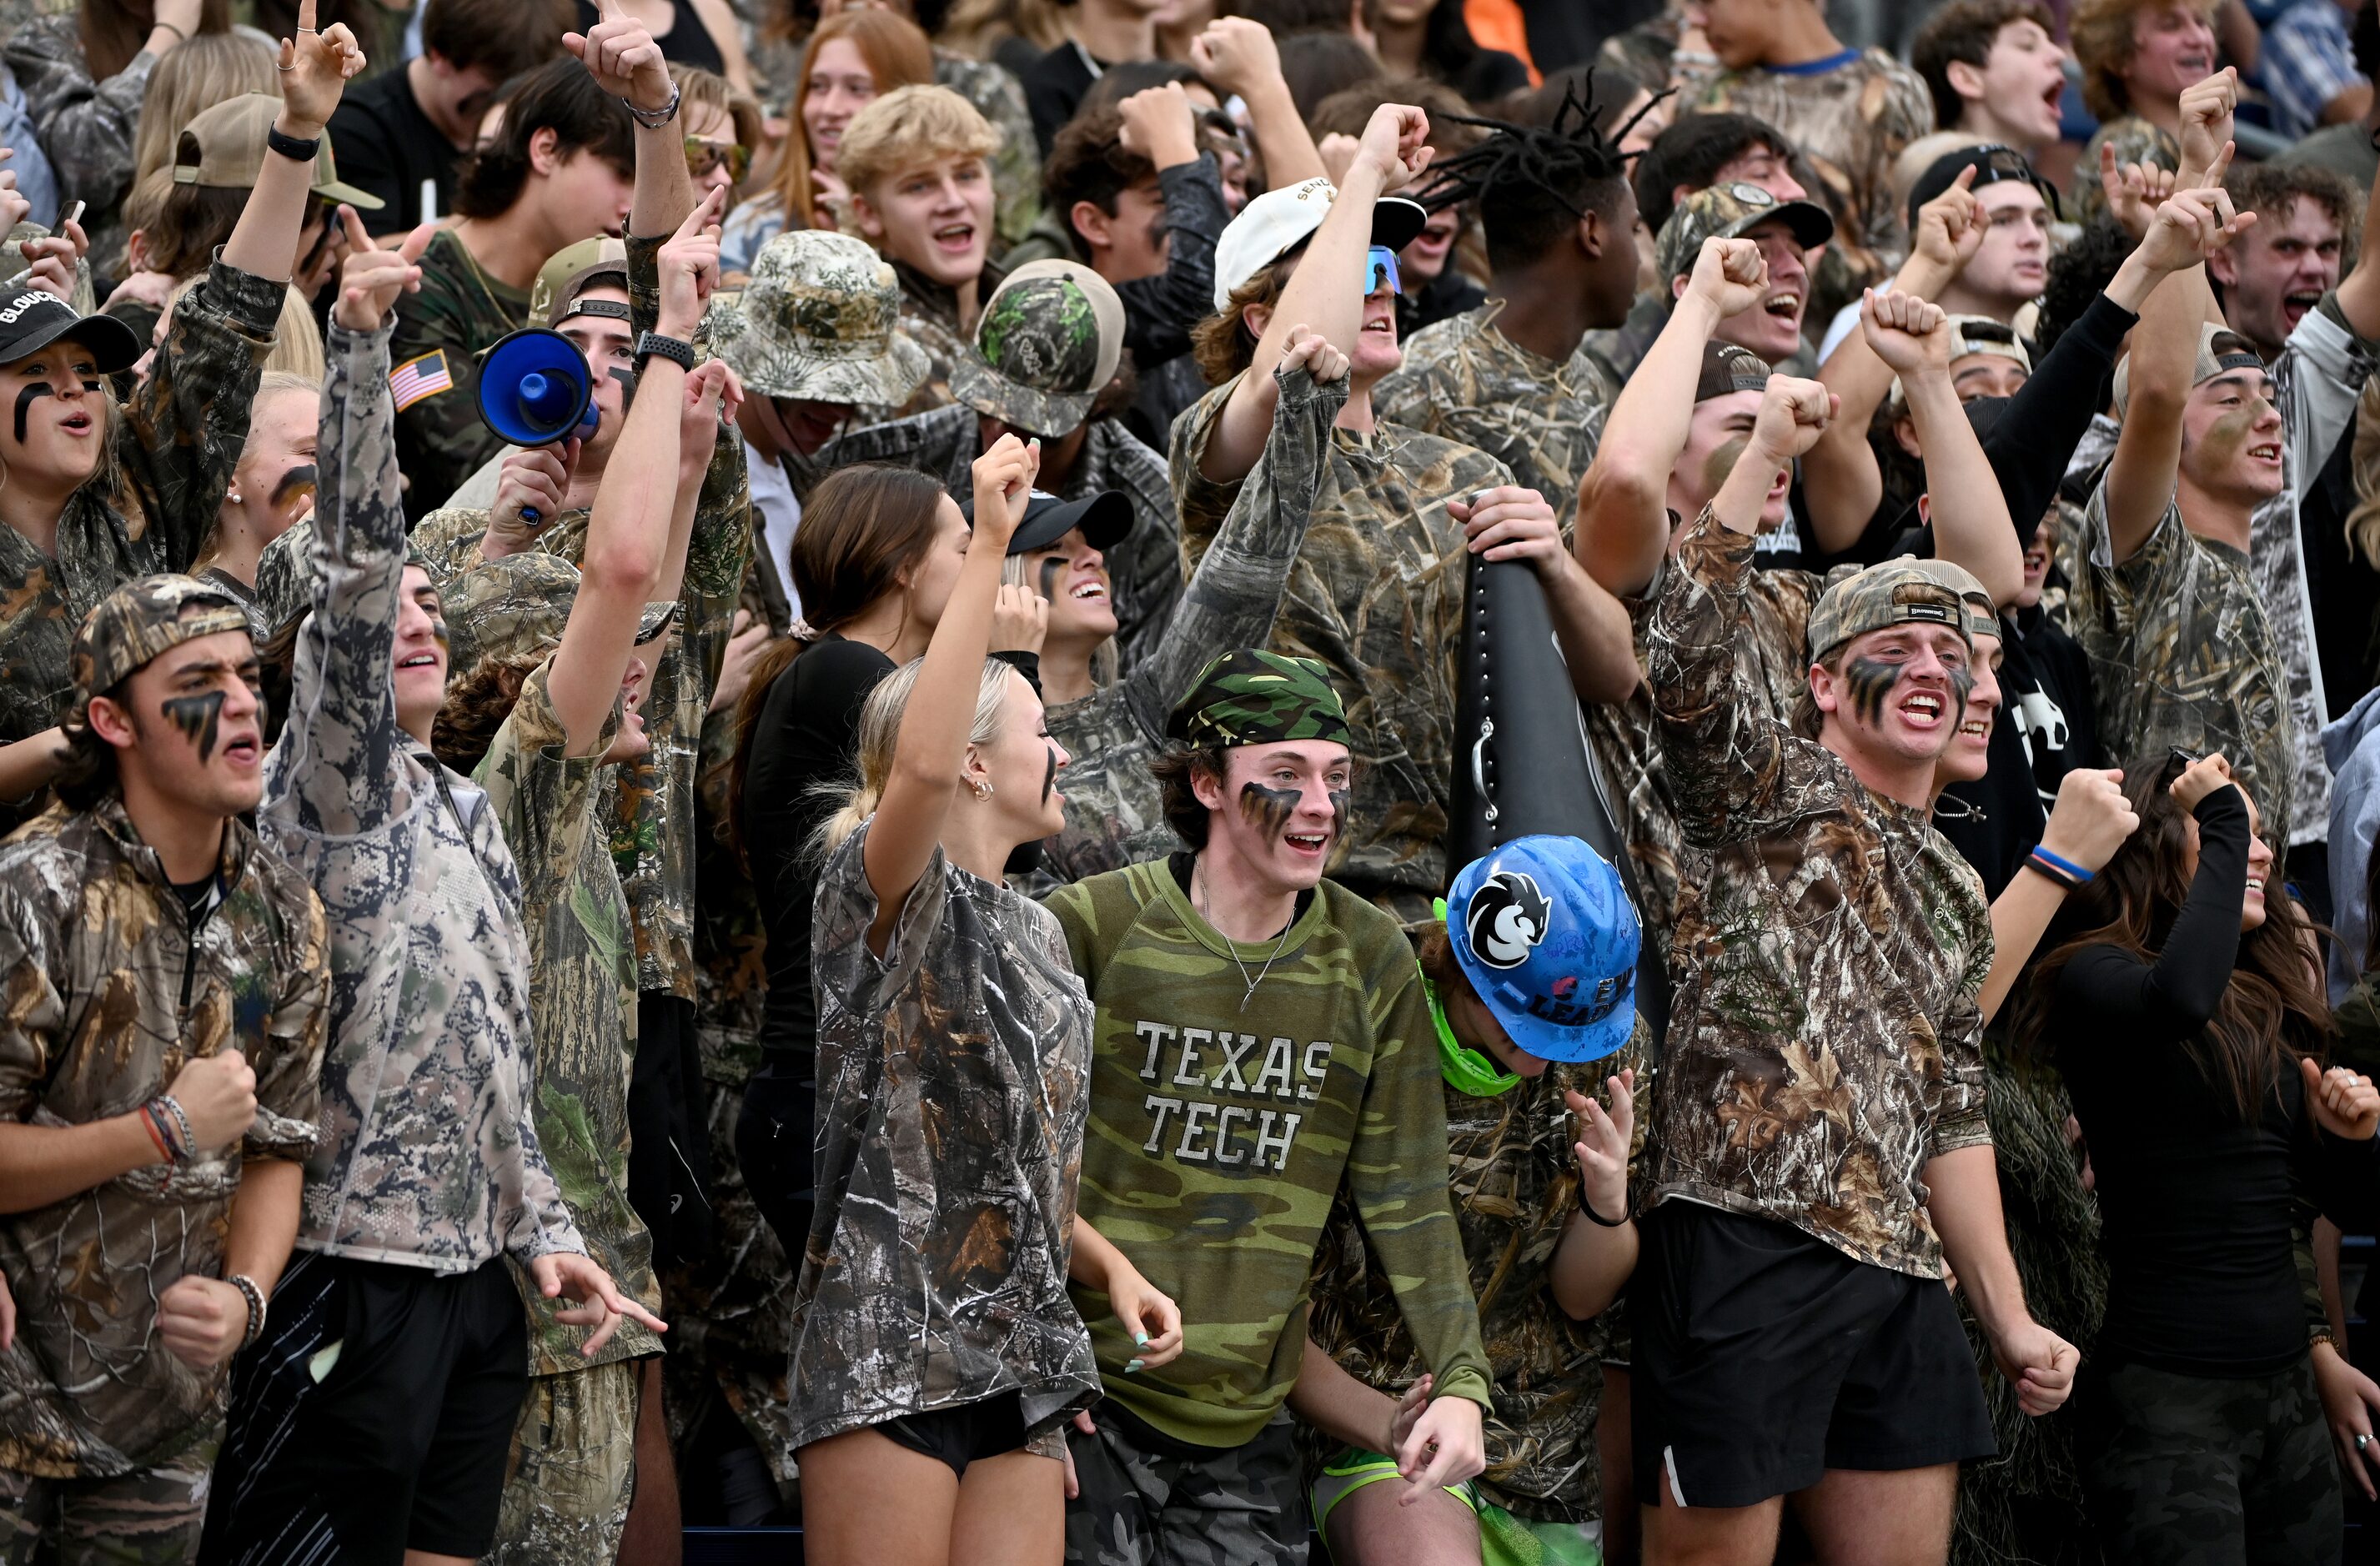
(430, 1155)
(170, 455)
(151, 1516)
(1145, 565)
(1851, 123)
(87, 128)
(951, 1097)
(460, 310)
(2182, 654)
(583, 1011)
(1377, 597)
(1016, 162)
(104, 995)
(1115, 816)
(929, 317)
(1464, 380)
(1220, 1132)
(572, 1470)
(1515, 1186)
(1824, 1041)
(1250, 697)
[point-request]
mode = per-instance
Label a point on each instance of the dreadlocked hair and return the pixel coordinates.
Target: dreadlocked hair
(1532, 182)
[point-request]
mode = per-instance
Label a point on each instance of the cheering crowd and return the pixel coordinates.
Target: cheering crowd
(1431, 782)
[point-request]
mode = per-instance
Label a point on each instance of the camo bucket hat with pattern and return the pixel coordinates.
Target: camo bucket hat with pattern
(1251, 698)
(1046, 343)
(817, 323)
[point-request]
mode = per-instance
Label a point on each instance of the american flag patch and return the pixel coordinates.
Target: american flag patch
(420, 378)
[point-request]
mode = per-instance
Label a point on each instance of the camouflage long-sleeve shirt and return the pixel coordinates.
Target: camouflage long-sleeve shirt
(458, 314)
(86, 127)
(170, 455)
(1144, 566)
(583, 1008)
(1376, 596)
(1115, 816)
(1464, 380)
(108, 987)
(1824, 1041)
(929, 317)
(428, 1156)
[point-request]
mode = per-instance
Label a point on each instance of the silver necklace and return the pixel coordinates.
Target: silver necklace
(1234, 946)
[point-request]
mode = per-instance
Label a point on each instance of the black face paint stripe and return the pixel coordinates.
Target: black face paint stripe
(1049, 777)
(200, 717)
(1269, 808)
(1050, 569)
(31, 392)
(1869, 681)
(302, 477)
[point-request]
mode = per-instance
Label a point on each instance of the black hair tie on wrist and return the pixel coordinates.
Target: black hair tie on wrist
(289, 147)
(1598, 1219)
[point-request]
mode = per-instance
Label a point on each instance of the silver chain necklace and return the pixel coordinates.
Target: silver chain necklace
(1203, 907)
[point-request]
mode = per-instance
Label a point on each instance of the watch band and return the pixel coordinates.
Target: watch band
(678, 351)
(289, 146)
(653, 119)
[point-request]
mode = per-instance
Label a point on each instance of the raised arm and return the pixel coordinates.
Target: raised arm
(87, 128)
(1599, 644)
(2089, 824)
(1161, 311)
(314, 70)
(1623, 514)
(927, 757)
(625, 62)
(1971, 516)
(1237, 53)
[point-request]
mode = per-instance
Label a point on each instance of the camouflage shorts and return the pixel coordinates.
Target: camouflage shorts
(149, 1517)
(1144, 1505)
(573, 1468)
(2189, 1469)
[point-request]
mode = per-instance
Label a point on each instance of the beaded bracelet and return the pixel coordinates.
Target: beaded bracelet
(255, 1297)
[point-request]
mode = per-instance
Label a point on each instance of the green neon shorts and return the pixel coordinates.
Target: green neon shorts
(1504, 1539)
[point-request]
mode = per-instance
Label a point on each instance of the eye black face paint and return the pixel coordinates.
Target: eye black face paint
(1339, 808)
(1269, 808)
(1869, 681)
(33, 391)
(198, 717)
(1050, 569)
(1050, 778)
(300, 479)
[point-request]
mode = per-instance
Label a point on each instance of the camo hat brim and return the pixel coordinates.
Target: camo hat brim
(1247, 696)
(817, 323)
(1048, 340)
(137, 623)
(1897, 592)
(1729, 212)
(1983, 617)
(506, 609)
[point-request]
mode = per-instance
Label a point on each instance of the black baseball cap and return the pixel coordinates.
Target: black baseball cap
(32, 320)
(1104, 518)
(1993, 162)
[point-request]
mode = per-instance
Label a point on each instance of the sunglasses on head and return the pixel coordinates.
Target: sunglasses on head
(1380, 267)
(703, 157)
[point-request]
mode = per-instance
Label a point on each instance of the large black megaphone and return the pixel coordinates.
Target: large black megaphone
(534, 390)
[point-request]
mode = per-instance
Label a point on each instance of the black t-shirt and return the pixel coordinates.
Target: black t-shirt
(688, 42)
(386, 146)
(2047, 728)
(1055, 88)
(807, 735)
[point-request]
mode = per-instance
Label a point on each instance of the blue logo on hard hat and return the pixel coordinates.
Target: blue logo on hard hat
(1549, 939)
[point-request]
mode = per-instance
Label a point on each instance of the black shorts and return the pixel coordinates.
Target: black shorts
(1763, 1357)
(963, 1435)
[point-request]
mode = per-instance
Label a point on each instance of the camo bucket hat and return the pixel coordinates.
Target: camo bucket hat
(1251, 698)
(1728, 211)
(1046, 343)
(515, 606)
(1898, 592)
(137, 623)
(817, 323)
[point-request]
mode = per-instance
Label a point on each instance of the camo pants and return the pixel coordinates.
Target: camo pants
(2206, 1471)
(1144, 1503)
(149, 1517)
(573, 1470)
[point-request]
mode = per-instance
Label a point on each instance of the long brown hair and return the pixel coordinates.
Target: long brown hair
(2273, 1011)
(114, 31)
(861, 530)
(897, 55)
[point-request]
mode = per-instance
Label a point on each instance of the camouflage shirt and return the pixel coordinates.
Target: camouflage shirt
(583, 1008)
(1115, 816)
(929, 317)
(1224, 1120)
(428, 1156)
(87, 128)
(1824, 1041)
(440, 331)
(951, 1097)
(1144, 566)
(1851, 121)
(108, 993)
(2182, 654)
(1376, 596)
(170, 455)
(1467, 381)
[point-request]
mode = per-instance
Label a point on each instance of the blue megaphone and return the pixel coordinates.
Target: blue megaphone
(534, 390)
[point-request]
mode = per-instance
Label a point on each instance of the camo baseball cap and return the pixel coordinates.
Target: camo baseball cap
(515, 606)
(817, 323)
(1983, 617)
(1728, 211)
(136, 622)
(2220, 350)
(1046, 344)
(1247, 696)
(229, 143)
(1897, 592)
(570, 272)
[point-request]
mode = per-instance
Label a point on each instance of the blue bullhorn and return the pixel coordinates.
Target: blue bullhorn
(534, 390)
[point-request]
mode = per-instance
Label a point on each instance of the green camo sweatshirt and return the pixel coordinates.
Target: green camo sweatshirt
(1218, 1137)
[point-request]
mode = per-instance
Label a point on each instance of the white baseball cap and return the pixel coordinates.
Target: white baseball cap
(1276, 222)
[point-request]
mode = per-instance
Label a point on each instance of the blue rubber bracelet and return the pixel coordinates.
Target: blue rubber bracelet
(2071, 869)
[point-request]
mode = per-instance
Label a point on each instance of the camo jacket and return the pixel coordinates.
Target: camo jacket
(1464, 380)
(1824, 1041)
(106, 992)
(1144, 566)
(170, 455)
(428, 1156)
(929, 317)
(87, 128)
(1376, 595)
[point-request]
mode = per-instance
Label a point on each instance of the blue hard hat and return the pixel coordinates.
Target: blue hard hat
(1544, 932)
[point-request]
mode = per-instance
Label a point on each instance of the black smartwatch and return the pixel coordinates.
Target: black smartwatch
(675, 349)
(291, 147)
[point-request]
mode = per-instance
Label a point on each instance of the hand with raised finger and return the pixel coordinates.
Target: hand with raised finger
(217, 1094)
(1950, 226)
(708, 392)
(316, 67)
(371, 280)
(1909, 333)
(2133, 191)
(1307, 349)
(2091, 818)
(1602, 1146)
(620, 53)
(596, 1301)
(1511, 523)
(689, 264)
(1732, 274)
